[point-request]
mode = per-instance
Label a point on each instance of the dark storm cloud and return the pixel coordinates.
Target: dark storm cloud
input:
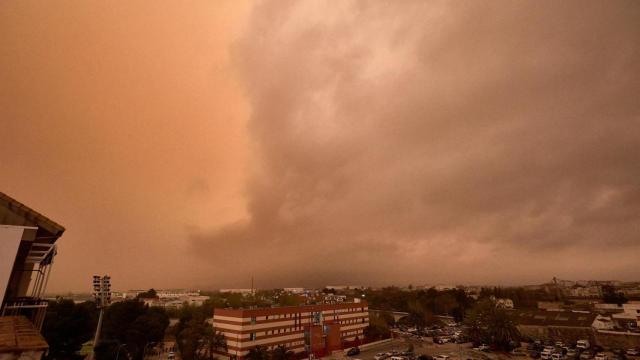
(438, 141)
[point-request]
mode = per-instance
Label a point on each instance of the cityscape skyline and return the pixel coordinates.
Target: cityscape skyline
(198, 145)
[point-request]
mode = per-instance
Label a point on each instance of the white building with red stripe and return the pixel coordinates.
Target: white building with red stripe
(322, 328)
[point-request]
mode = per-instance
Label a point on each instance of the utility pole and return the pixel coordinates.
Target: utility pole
(102, 295)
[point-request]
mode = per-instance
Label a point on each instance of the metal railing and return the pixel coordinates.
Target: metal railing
(32, 308)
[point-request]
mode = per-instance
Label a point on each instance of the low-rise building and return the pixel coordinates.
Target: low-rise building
(568, 326)
(318, 328)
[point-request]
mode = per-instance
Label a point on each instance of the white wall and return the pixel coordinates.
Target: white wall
(10, 237)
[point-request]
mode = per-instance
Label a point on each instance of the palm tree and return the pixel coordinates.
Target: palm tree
(503, 330)
(212, 341)
(490, 324)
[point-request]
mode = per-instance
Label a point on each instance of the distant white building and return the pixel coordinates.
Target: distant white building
(237, 291)
(175, 294)
(444, 287)
(294, 290)
(504, 303)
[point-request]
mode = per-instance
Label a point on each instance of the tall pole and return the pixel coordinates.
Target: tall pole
(102, 294)
(97, 337)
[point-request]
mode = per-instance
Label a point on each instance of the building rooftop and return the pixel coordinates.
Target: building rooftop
(13, 212)
(245, 312)
(553, 318)
(18, 334)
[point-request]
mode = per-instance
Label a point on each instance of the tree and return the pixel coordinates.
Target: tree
(257, 353)
(281, 353)
(377, 329)
(133, 324)
(67, 326)
(290, 300)
(198, 340)
(610, 296)
(151, 294)
(488, 324)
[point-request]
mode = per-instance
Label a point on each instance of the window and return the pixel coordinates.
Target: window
(253, 320)
(252, 336)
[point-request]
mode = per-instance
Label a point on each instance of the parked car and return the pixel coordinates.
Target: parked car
(171, 355)
(586, 355)
(546, 354)
(571, 353)
(557, 356)
(380, 356)
(484, 347)
(353, 351)
(534, 354)
(583, 344)
(633, 352)
(441, 357)
(601, 356)
(518, 352)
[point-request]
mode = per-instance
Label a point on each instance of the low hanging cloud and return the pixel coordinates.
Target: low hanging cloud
(425, 142)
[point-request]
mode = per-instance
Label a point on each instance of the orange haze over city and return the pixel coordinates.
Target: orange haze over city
(200, 144)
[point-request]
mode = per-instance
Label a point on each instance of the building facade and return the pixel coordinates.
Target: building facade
(321, 328)
(27, 249)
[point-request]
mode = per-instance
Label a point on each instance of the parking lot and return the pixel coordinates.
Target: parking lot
(426, 347)
(453, 351)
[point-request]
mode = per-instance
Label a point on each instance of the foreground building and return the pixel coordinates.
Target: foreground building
(319, 328)
(27, 249)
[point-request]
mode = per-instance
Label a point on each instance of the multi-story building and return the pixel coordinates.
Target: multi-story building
(27, 249)
(317, 328)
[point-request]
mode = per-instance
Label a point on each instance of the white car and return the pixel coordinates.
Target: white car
(546, 354)
(601, 356)
(381, 356)
(441, 357)
(583, 344)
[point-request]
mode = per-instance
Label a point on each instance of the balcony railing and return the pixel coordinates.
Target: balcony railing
(32, 308)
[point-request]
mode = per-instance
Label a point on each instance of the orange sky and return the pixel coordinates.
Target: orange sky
(199, 144)
(124, 122)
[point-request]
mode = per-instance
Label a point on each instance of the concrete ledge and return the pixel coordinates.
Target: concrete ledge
(370, 345)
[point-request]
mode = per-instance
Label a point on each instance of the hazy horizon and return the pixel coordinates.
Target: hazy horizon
(194, 145)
